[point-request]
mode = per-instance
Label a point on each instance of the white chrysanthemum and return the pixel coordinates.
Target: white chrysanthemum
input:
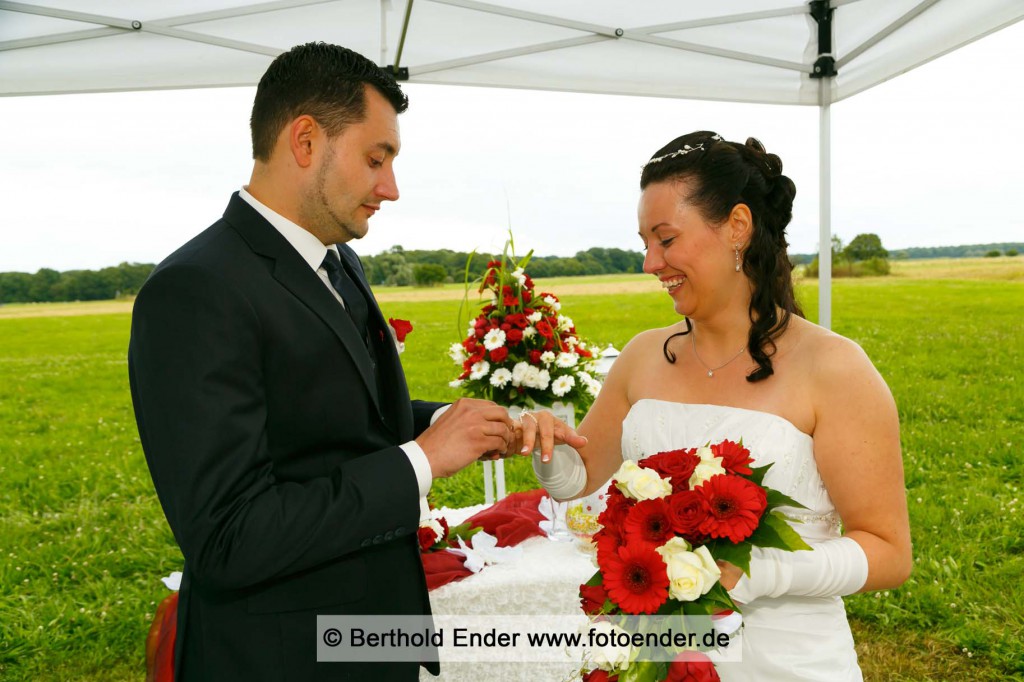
(593, 387)
(471, 331)
(547, 357)
(519, 275)
(529, 332)
(535, 317)
(479, 370)
(584, 377)
(566, 360)
(457, 353)
(543, 379)
(550, 300)
(457, 383)
(494, 339)
(563, 385)
(501, 377)
(519, 373)
(571, 341)
(565, 323)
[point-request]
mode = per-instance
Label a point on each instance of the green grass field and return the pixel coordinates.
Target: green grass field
(83, 540)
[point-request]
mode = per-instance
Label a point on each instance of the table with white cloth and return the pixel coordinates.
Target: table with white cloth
(543, 580)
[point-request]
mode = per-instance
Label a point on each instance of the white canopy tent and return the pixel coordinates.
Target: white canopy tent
(768, 51)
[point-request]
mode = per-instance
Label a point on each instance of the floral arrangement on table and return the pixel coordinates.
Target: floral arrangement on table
(520, 349)
(669, 518)
(435, 535)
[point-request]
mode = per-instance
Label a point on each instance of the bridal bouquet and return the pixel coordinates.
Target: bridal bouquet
(669, 518)
(520, 349)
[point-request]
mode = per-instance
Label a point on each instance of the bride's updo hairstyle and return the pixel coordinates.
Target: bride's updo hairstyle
(715, 175)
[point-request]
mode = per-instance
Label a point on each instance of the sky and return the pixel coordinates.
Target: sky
(933, 157)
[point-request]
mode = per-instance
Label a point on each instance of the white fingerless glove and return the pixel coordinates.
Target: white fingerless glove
(833, 568)
(565, 476)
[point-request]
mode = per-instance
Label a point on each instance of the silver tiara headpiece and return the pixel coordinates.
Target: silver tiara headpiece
(682, 152)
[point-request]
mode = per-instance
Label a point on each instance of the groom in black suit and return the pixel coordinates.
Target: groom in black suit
(270, 400)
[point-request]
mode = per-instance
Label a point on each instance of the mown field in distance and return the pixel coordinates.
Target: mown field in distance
(83, 541)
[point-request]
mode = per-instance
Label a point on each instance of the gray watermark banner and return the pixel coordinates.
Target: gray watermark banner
(518, 639)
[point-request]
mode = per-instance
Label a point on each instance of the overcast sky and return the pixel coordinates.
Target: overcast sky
(933, 157)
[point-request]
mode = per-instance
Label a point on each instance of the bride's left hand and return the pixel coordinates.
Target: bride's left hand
(544, 429)
(731, 574)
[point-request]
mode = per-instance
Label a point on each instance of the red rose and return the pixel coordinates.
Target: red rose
(584, 353)
(401, 327)
(514, 336)
(636, 579)
(517, 319)
(549, 344)
(488, 309)
(692, 666)
(687, 509)
(616, 509)
(534, 357)
(528, 296)
(499, 354)
(592, 598)
(675, 465)
(598, 675)
(477, 355)
(735, 505)
(529, 282)
(544, 329)
(648, 521)
(427, 537)
(735, 457)
(510, 301)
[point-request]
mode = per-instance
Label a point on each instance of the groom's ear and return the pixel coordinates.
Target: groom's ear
(740, 224)
(301, 134)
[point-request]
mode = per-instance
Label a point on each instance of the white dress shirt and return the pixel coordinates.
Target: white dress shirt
(313, 252)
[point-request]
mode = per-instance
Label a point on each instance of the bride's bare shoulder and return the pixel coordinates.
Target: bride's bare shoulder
(829, 356)
(645, 341)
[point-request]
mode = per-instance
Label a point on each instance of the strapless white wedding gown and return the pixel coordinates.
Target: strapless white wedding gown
(787, 638)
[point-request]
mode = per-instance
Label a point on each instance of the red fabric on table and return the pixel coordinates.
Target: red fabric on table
(160, 641)
(513, 519)
(443, 567)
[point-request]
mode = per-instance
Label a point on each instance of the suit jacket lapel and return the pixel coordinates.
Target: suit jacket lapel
(296, 276)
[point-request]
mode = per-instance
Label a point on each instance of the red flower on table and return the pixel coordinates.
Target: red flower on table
(592, 598)
(648, 521)
(735, 505)
(692, 666)
(636, 578)
(735, 457)
(687, 511)
(401, 327)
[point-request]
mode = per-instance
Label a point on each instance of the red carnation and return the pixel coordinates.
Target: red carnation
(687, 510)
(534, 357)
(648, 521)
(675, 465)
(510, 301)
(636, 579)
(518, 319)
(735, 505)
(692, 666)
(401, 327)
(592, 598)
(544, 329)
(735, 457)
(427, 537)
(499, 354)
(514, 336)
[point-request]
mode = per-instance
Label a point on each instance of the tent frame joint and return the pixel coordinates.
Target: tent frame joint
(822, 13)
(400, 73)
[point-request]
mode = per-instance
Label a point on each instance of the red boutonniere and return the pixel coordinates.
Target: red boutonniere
(399, 330)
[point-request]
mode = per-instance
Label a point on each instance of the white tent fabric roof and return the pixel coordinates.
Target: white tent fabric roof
(744, 50)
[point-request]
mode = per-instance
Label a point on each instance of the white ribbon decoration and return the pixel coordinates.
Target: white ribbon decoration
(173, 581)
(485, 552)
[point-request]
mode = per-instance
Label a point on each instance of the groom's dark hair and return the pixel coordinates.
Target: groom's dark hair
(715, 175)
(322, 80)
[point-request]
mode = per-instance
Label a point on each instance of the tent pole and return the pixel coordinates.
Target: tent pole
(825, 207)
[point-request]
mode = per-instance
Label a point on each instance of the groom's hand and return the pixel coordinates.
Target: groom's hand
(466, 430)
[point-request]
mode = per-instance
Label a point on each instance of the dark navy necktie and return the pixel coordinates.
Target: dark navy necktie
(343, 283)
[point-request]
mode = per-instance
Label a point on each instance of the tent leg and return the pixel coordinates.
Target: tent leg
(825, 208)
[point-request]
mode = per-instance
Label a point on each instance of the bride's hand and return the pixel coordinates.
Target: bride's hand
(544, 427)
(730, 574)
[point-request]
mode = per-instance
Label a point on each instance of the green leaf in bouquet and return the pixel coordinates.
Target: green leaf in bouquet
(719, 597)
(736, 554)
(775, 531)
(643, 671)
(757, 473)
(777, 499)
(596, 579)
(463, 531)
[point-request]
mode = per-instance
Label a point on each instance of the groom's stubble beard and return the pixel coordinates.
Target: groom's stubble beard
(328, 225)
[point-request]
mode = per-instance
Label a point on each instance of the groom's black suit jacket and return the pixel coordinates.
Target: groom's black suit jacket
(274, 451)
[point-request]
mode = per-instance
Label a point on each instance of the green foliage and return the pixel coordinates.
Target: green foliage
(429, 275)
(994, 253)
(1011, 252)
(83, 540)
(865, 247)
(75, 285)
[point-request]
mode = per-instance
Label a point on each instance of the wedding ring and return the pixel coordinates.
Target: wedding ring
(530, 415)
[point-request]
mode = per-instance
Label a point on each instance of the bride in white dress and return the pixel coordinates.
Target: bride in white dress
(744, 363)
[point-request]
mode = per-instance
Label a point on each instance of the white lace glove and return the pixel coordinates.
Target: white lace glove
(565, 476)
(833, 568)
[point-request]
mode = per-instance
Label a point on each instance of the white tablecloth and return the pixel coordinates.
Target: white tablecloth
(544, 580)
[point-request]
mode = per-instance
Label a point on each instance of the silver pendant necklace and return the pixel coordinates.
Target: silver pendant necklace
(711, 370)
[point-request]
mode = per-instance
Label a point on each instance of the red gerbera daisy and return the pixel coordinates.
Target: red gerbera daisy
(648, 521)
(735, 457)
(636, 579)
(692, 666)
(735, 505)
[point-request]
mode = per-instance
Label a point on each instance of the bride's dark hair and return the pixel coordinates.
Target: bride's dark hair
(718, 175)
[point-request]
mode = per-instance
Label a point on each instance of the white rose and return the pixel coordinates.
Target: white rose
(562, 385)
(494, 339)
(501, 377)
(612, 657)
(705, 470)
(691, 574)
(457, 353)
(479, 370)
(519, 373)
(641, 484)
(566, 359)
(543, 379)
